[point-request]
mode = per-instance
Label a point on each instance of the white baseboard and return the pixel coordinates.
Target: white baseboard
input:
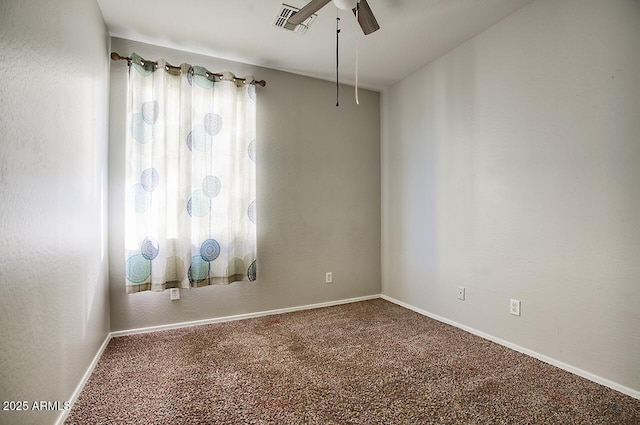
(576, 371)
(240, 316)
(83, 381)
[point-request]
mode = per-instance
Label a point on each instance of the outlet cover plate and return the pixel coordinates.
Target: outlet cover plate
(461, 293)
(175, 294)
(515, 307)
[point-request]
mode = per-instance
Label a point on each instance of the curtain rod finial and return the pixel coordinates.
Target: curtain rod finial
(117, 57)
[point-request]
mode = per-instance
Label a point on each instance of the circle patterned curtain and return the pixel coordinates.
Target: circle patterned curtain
(190, 211)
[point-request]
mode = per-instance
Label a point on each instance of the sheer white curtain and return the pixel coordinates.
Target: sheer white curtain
(190, 213)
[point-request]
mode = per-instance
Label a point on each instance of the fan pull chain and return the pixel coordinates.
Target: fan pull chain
(337, 56)
(357, 48)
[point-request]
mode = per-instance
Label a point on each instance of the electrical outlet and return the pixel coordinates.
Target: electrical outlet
(329, 277)
(461, 293)
(515, 307)
(175, 294)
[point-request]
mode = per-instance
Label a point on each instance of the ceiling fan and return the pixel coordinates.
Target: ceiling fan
(364, 13)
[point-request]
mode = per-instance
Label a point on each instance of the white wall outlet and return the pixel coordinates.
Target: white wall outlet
(175, 294)
(515, 307)
(461, 293)
(329, 277)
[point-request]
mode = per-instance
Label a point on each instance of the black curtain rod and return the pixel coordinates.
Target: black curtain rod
(117, 57)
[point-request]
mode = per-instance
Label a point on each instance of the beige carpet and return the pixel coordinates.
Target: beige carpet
(363, 363)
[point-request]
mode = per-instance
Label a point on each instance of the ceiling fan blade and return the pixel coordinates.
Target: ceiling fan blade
(366, 19)
(312, 7)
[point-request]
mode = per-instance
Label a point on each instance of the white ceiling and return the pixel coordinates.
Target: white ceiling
(413, 33)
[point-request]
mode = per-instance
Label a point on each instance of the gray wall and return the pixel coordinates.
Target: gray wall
(510, 166)
(54, 311)
(318, 199)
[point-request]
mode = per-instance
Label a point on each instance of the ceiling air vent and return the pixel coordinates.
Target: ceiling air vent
(285, 13)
